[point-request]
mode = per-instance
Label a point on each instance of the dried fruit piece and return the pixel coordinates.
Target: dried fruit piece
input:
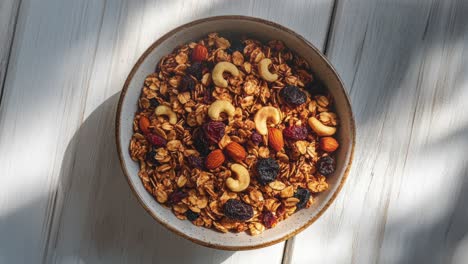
(256, 138)
(237, 210)
(214, 131)
(303, 195)
(191, 215)
(196, 70)
(293, 96)
(156, 140)
(326, 165)
(186, 84)
(275, 138)
(199, 53)
(151, 156)
(235, 151)
(295, 132)
(144, 124)
(328, 144)
(267, 170)
(214, 159)
(201, 142)
(176, 197)
(153, 102)
(268, 219)
(195, 162)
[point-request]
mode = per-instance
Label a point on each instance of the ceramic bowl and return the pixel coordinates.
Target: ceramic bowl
(262, 30)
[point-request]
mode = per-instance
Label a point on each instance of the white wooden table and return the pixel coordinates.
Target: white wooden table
(63, 198)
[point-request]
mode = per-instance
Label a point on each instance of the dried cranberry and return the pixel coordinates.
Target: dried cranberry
(191, 215)
(153, 102)
(237, 210)
(156, 140)
(187, 84)
(293, 96)
(268, 219)
(196, 70)
(176, 197)
(236, 45)
(214, 131)
(295, 132)
(256, 138)
(201, 142)
(326, 165)
(150, 156)
(267, 170)
(303, 195)
(195, 162)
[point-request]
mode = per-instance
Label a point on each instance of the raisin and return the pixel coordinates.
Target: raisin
(177, 196)
(295, 132)
(150, 156)
(256, 138)
(293, 96)
(326, 165)
(153, 102)
(214, 131)
(268, 219)
(237, 210)
(303, 195)
(236, 45)
(186, 84)
(196, 70)
(195, 162)
(201, 142)
(156, 140)
(267, 170)
(191, 215)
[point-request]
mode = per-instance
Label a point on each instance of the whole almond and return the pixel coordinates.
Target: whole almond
(199, 53)
(235, 151)
(144, 124)
(275, 139)
(214, 159)
(328, 144)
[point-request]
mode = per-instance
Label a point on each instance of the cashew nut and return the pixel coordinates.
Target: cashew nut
(264, 72)
(166, 111)
(220, 106)
(243, 178)
(319, 128)
(267, 113)
(218, 71)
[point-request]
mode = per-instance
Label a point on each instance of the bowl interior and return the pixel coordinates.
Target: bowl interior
(264, 31)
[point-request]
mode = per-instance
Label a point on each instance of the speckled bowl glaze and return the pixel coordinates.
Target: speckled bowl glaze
(262, 30)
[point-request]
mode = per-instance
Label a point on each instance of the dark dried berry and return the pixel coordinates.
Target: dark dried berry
(326, 165)
(208, 96)
(237, 210)
(293, 96)
(153, 102)
(236, 45)
(267, 170)
(196, 70)
(303, 195)
(187, 84)
(176, 197)
(316, 87)
(295, 132)
(256, 138)
(268, 219)
(156, 140)
(214, 131)
(191, 215)
(201, 142)
(150, 156)
(195, 162)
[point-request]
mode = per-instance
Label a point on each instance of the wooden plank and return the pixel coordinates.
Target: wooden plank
(405, 66)
(63, 197)
(8, 14)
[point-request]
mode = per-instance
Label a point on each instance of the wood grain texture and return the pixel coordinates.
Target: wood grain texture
(63, 198)
(405, 66)
(8, 14)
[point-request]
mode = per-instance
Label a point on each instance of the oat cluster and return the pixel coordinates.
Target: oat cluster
(234, 134)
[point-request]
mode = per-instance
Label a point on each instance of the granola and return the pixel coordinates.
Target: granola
(234, 134)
